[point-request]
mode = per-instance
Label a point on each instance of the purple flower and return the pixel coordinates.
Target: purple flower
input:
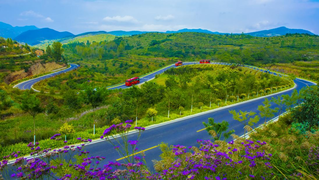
(140, 128)
(106, 131)
(78, 138)
(129, 121)
(20, 174)
(90, 140)
(251, 175)
(132, 142)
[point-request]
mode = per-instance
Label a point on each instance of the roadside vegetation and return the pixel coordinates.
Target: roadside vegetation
(304, 69)
(271, 152)
(187, 90)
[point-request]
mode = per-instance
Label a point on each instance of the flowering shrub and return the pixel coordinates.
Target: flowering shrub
(210, 161)
(240, 159)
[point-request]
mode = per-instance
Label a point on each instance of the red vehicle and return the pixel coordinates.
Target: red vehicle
(204, 61)
(132, 81)
(179, 63)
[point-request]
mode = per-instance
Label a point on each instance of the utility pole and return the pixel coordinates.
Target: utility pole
(168, 108)
(33, 131)
(136, 114)
(210, 101)
(192, 103)
(226, 99)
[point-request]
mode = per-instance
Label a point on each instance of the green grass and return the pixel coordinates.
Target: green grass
(161, 79)
(91, 38)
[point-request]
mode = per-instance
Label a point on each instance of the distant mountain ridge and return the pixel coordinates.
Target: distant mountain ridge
(194, 30)
(264, 33)
(8, 31)
(34, 37)
(279, 32)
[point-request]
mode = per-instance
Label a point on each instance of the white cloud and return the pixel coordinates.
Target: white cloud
(48, 19)
(129, 19)
(165, 18)
(36, 15)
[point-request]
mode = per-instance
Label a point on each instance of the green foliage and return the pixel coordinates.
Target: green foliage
(95, 96)
(57, 51)
(242, 117)
(232, 98)
(72, 100)
(5, 101)
(151, 112)
(30, 104)
(116, 121)
(243, 96)
(218, 130)
(280, 103)
(66, 129)
(266, 111)
(290, 101)
(49, 51)
(307, 112)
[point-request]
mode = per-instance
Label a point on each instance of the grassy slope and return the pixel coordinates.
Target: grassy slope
(91, 38)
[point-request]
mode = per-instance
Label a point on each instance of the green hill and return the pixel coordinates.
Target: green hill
(90, 38)
(84, 38)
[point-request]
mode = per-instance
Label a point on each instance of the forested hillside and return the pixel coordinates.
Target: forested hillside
(11, 47)
(194, 46)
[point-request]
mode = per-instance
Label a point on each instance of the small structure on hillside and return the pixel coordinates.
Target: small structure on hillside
(39, 53)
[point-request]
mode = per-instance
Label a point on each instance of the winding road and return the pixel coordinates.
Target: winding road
(29, 83)
(184, 131)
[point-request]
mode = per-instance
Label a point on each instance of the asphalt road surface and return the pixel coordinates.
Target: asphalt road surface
(28, 84)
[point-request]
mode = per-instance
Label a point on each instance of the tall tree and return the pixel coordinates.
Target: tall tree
(49, 51)
(57, 51)
(31, 104)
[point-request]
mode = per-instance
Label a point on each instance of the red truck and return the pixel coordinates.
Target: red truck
(179, 63)
(204, 61)
(132, 81)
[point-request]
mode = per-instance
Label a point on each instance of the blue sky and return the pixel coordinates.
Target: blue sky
(235, 16)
